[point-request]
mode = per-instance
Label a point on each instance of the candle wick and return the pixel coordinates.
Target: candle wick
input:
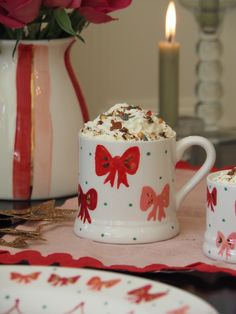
(170, 38)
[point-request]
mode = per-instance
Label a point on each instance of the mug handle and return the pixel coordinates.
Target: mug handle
(181, 146)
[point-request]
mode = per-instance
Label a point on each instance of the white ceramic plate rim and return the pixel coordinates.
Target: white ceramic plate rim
(64, 290)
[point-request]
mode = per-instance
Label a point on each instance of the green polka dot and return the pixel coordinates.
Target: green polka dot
(209, 225)
(90, 154)
(173, 180)
(148, 154)
(209, 252)
(7, 297)
(80, 229)
(210, 186)
(129, 282)
(105, 204)
(44, 307)
(223, 219)
(130, 204)
(226, 189)
(134, 238)
(105, 303)
(81, 147)
(86, 182)
(102, 235)
(160, 178)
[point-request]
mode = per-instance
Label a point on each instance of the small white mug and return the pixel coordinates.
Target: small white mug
(127, 189)
(220, 236)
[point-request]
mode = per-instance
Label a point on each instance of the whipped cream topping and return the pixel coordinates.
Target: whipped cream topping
(228, 176)
(125, 122)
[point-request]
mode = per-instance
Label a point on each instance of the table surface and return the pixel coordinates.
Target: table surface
(217, 288)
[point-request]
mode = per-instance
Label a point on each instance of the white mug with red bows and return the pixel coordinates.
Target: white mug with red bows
(220, 236)
(127, 188)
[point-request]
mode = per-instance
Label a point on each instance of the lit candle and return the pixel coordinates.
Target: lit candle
(169, 70)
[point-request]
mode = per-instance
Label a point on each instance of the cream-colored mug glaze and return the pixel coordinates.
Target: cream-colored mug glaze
(220, 236)
(135, 203)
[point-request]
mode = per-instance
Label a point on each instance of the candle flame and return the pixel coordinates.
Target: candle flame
(170, 22)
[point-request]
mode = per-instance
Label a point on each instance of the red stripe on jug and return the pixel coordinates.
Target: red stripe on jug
(75, 84)
(22, 148)
(42, 124)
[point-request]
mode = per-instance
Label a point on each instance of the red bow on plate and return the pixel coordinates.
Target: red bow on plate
(96, 283)
(211, 198)
(87, 201)
(143, 294)
(24, 278)
(57, 280)
(150, 198)
(106, 164)
(225, 244)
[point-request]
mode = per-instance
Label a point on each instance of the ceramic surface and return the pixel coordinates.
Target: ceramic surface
(41, 111)
(220, 235)
(127, 189)
(47, 290)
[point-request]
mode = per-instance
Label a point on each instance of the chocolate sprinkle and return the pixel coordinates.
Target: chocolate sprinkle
(115, 125)
(232, 172)
(124, 130)
(163, 134)
(133, 107)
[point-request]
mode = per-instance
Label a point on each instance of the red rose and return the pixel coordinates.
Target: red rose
(18, 13)
(72, 4)
(95, 11)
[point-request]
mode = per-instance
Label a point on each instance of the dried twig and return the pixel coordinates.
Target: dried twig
(44, 212)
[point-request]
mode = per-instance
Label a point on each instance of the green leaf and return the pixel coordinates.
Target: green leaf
(33, 30)
(19, 33)
(81, 38)
(10, 34)
(14, 50)
(51, 30)
(78, 22)
(63, 21)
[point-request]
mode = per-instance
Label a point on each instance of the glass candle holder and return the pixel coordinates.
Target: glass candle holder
(209, 15)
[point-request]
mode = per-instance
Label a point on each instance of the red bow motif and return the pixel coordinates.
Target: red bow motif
(56, 280)
(211, 198)
(181, 310)
(15, 308)
(79, 306)
(225, 244)
(143, 295)
(86, 201)
(96, 283)
(24, 278)
(127, 163)
(150, 198)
